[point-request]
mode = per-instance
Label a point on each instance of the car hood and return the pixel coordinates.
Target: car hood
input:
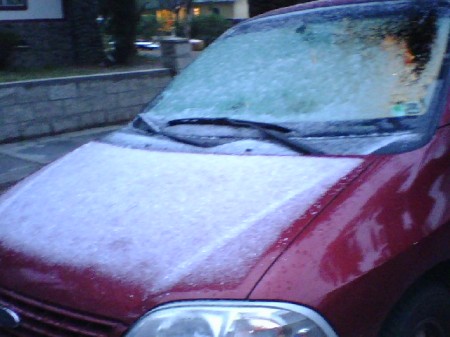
(118, 230)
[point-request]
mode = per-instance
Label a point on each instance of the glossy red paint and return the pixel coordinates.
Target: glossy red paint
(446, 117)
(87, 290)
(379, 236)
(341, 251)
(350, 256)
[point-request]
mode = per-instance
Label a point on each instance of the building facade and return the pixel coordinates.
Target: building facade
(236, 10)
(53, 32)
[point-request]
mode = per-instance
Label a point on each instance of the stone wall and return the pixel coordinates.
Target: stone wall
(44, 107)
(176, 53)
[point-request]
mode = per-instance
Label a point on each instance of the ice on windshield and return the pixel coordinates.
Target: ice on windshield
(291, 69)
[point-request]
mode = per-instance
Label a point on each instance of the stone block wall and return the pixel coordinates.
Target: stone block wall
(44, 107)
(176, 53)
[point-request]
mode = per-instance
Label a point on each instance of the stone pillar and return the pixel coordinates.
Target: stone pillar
(176, 53)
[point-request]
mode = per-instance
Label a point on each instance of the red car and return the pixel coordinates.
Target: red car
(293, 181)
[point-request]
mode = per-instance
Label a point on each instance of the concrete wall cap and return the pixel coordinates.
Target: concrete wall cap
(174, 39)
(74, 79)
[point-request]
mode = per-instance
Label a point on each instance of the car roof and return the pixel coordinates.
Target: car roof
(315, 4)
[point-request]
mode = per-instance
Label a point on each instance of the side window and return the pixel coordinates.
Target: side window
(13, 5)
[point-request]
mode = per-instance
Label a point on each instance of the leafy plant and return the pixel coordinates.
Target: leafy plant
(208, 27)
(148, 26)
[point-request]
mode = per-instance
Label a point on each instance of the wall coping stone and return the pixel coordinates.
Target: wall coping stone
(173, 39)
(83, 78)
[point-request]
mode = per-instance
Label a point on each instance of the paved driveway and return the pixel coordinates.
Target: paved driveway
(18, 160)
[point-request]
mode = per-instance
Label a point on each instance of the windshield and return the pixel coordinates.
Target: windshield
(323, 66)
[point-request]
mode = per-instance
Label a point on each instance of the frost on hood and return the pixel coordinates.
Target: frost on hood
(158, 218)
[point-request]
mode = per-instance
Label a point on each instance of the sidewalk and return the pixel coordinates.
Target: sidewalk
(19, 160)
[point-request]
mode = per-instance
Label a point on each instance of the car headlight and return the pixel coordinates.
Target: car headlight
(231, 319)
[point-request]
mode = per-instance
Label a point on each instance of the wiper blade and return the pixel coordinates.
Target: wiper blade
(270, 131)
(145, 125)
(228, 122)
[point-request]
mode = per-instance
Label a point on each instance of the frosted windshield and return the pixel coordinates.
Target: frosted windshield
(321, 65)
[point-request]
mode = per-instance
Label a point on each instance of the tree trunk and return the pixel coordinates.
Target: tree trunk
(187, 24)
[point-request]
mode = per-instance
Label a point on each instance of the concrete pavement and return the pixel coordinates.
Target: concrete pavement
(19, 160)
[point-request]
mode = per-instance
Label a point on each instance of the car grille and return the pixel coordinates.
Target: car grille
(43, 320)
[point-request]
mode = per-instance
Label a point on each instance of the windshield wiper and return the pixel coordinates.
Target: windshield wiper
(270, 131)
(228, 122)
(142, 124)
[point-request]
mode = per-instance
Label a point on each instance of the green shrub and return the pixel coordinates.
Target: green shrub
(8, 41)
(208, 27)
(148, 26)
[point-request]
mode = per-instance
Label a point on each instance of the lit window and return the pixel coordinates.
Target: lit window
(167, 18)
(13, 4)
(197, 11)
